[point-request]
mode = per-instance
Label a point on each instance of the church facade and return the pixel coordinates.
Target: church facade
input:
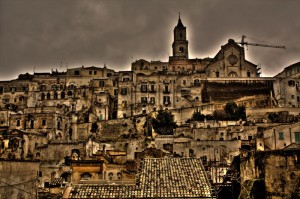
(183, 82)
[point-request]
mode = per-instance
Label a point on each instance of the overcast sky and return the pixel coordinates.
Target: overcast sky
(56, 34)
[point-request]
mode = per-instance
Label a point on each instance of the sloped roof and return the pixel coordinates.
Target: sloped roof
(157, 178)
(292, 146)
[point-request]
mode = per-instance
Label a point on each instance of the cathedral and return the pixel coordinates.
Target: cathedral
(183, 82)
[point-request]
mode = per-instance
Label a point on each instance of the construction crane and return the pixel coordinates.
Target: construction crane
(243, 43)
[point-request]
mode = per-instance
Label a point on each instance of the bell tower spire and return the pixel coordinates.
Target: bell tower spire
(180, 44)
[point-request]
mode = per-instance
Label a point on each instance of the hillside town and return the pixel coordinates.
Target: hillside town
(184, 128)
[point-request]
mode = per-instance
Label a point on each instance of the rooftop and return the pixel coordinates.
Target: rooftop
(156, 178)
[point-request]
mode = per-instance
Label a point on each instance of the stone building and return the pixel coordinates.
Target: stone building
(287, 86)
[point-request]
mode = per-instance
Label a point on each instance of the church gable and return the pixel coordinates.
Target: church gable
(230, 62)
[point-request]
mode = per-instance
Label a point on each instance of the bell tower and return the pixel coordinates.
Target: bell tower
(180, 44)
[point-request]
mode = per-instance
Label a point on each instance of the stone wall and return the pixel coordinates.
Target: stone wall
(18, 179)
(280, 170)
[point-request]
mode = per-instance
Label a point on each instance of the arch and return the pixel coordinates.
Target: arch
(70, 93)
(66, 176)
(196, 82)
(62, 95)
(110, 175)
(119, 175)
(55, 95)
(85, 176)
(43, 96)
(232, 74)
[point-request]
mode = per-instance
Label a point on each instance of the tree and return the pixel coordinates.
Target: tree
(234, 111)
(197, 116)
(163, 123)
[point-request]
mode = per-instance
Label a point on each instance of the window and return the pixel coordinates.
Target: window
(43, 96)
(108, 74)
(55, 95)
(90, 72)
(43, 87)
(204, 159)
(86, 176)
(13, 89)
(58, 125)
(144, 88)
(123, 91)
(126, 79)
(152, 88)
(62, 95)
(116, 92)
(144, 99)
(293, 96)
(196, 82)
(297, 137)
(248, 74)
(291, 83)
(166, 89)
(1, 89)
(31, 124)
(184, 82)
(18, 122)
(110, 176)
(281, 136)
(76, 72)
(48, 95)
(101, 83)
(181, 49)
(217, 74)
(167, 100)
(44, 122)
(95, 72)
(152, 100)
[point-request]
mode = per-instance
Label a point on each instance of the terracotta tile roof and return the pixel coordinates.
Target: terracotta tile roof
(156, 178)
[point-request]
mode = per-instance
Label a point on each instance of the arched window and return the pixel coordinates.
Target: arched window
(55, 95)
(119, 174)
(110, 175)
(248, 74)
(70, 93)
(232, 74)
(31, 124)
(291, 83)
(42, 96)
(196, 82)
(85, 176)
(62, 95)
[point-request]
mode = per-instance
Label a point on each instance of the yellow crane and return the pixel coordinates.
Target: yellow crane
(243, 43)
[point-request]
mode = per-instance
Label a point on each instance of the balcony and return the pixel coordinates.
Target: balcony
(152, 91)
(166, 92)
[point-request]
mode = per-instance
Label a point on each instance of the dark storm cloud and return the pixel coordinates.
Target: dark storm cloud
(48, 34)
